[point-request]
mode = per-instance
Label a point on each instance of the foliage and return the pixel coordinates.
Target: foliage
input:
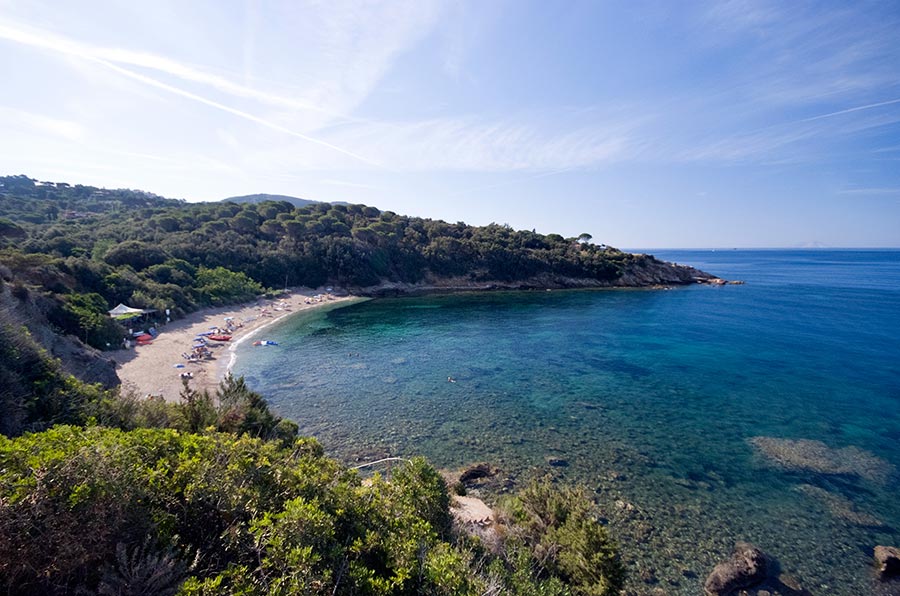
(85, 315)
(221, 286)
(90, 508)
(34, 391)
(556, 534)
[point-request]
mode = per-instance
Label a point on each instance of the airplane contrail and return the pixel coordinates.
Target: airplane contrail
(69, 48)
(856, 109)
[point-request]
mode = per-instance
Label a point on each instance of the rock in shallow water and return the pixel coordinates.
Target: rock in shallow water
(477, 472)
(747, 567)
(887, 561)
(751, 572)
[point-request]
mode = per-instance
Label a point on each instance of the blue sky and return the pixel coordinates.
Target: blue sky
(646, 124)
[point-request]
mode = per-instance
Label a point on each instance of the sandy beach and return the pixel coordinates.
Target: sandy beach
(151, 369)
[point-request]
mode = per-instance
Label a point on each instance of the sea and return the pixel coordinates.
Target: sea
(698, 416)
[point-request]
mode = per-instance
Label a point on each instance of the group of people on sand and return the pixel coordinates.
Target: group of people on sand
(230, 327)
(280, 306)
(200, 348)
(197, 354)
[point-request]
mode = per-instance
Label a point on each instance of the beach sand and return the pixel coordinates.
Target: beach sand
(150, 369)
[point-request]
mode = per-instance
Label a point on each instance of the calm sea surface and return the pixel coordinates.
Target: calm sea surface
(655, 399)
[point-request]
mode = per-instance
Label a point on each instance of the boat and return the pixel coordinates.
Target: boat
(265, 342)
(220, 337)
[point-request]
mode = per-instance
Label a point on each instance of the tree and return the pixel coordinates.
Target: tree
(584, 238)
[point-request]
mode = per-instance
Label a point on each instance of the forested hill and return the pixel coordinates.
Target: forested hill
(89, 249)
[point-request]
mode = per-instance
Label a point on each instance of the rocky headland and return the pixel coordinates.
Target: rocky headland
(647, 272)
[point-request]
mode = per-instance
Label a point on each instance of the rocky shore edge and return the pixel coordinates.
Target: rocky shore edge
(650, 274)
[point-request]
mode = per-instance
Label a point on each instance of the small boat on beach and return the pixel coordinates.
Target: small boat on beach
(220, 337)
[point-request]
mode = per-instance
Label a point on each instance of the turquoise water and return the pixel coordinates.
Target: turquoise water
(652, 397)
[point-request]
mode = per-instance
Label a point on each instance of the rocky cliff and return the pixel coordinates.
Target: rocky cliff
(647, 272)
(76, 358)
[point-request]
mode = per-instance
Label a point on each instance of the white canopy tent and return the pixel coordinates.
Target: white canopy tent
(127, 310)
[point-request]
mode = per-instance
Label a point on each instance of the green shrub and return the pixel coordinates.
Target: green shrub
(557, 527)
(222, 286)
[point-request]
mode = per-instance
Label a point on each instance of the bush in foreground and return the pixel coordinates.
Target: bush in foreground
(554, 538)
(215, 513)
(107, 511)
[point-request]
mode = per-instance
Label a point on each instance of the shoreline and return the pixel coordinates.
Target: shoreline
(225, 367)
(155, 369)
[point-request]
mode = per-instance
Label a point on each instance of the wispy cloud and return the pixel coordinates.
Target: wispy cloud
(519, 143)
(513, 182)
(782, 100)
(74, 49)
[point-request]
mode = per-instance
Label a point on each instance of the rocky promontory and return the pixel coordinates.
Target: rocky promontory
(643, 272)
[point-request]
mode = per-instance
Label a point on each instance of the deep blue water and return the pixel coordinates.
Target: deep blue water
(652, 396)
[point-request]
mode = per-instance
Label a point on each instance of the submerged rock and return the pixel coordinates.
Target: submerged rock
(815, 456)
(751, 572)
(840, 507)
(887, 561)
(747, 567)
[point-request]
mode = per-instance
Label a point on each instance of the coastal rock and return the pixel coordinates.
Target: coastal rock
(747, 567)
(76, 358)
(642, 271)
(887, 561)
(474, 473)
(85, 362)
(475, 518)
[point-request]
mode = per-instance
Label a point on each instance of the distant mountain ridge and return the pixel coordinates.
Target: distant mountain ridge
(262, 198)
